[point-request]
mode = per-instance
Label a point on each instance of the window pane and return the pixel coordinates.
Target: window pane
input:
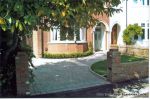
(143, 30)
(147, 2)
(55, 32)
(143, 2)
(66, 33)
(77, 34)
(135, 1)
(142, 24)
(147, 33)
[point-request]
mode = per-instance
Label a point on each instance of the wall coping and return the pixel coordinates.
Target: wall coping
(134, 47)
(66, 42)
(136, 62)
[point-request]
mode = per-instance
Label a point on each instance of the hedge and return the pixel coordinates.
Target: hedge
(71, 55)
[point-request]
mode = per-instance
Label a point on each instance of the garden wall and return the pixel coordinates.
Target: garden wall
(118, 71)
(134, 50)
(22, 74)
(131, 70)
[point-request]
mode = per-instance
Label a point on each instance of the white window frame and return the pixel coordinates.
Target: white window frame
(82, 36)
(146, 27)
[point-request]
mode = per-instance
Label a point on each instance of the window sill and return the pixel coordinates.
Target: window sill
(67, 42)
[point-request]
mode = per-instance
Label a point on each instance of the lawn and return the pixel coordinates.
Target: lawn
(101, 68)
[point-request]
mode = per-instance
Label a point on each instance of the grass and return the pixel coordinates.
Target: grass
(100, 67)
(126, 58)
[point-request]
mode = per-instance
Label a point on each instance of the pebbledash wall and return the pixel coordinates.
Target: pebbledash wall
(48, 41)
(133, 12)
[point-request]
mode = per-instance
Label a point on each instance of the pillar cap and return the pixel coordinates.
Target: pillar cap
(113, 46)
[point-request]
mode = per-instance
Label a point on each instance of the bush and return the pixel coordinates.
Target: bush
(71, 55)
(131, 33)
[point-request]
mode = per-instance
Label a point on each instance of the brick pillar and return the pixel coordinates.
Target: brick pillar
(22, 74)
(113, 64)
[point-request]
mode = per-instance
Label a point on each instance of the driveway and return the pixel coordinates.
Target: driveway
(56, 75)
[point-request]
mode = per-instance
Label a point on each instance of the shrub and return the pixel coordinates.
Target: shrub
(71, 55)
(131, 33)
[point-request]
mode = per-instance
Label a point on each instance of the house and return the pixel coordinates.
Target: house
(75, 40)
(108, 31)
(134, 12)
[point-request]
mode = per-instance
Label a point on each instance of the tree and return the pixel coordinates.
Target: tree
(131, 33)
(19, 17)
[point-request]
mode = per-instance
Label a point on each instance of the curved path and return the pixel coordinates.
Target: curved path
(56, 75)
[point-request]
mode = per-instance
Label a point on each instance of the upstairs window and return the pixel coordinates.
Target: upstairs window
(145, 2)
(148, 2)
(135, 1)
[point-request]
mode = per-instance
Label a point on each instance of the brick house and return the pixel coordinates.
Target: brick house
(54, 42)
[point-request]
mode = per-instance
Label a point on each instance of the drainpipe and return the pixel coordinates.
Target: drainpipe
(126, 13)
(42, 43)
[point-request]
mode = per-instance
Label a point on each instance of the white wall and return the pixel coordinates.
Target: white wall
(136, 13)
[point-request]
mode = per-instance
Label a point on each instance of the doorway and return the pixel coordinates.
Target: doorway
(99, 37)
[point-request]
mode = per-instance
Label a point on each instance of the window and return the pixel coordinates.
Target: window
(135, 1)
(147, 2)
(143, 35)
(60, 34)
(143, 2)
(148, 34)
(145, 31)
(142, 24)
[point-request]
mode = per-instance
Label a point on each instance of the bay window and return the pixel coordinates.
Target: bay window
(67, 34)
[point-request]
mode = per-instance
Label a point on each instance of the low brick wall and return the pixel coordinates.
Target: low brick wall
(134, 50)
(59, 48)
(118, 71)
(22, 74)
(131, 70)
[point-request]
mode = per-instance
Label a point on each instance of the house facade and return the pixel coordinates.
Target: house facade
(108, 31)
(133, 12)
(75, 40)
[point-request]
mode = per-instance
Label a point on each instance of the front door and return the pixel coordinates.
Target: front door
(114, 35)
(98, 38)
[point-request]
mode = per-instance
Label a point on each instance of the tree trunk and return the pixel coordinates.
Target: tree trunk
(8, 87)
(0, 59)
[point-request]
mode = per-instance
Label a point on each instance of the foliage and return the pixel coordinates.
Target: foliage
(27, 14)
(71, 55)
(131, 33)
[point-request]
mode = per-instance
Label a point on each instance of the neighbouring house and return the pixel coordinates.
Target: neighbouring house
(133, 12)
(108, 31)
(75, 40)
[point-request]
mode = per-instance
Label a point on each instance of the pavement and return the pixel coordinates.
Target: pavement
(59, 75)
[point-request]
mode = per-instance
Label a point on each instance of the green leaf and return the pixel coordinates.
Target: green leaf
(10, 20)
(13, 28)
(17, 23)
(20, 26)
(4, 27)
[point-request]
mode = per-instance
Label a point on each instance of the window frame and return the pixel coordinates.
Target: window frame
(52, 40)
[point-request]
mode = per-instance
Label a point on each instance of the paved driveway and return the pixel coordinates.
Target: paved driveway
(56, 75)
